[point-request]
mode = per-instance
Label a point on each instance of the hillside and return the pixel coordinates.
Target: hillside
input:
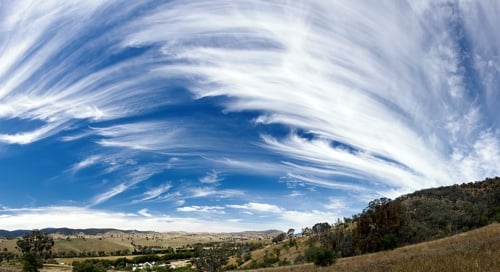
(382, 237)
(420, 216)
(387, 224)
(438, 212)
(476, 250)
(112, 242)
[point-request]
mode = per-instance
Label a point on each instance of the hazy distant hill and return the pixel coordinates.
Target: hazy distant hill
(95, 231)
(66, 231)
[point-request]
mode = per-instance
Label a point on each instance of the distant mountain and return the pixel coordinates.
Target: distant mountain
(95, 231)
(12, 234)
(270, 233)
(65, 231)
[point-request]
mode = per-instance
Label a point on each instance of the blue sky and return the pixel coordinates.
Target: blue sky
(237, 115)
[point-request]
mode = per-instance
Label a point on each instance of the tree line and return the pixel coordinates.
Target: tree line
(421, 216)
(383, 225)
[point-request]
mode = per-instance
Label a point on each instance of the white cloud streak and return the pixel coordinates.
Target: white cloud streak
(202, 209)
(42, 76)
(89, 161)
(144, 212)
(144, 136)
(78, 217)
(211, 177)
(385, 79)
(156, 192)
(133, 177)
(257, 207)
(213, 192)
(398, 93)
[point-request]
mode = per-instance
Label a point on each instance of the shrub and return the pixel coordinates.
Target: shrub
(320, 256)
(299, 259)
(88, 266)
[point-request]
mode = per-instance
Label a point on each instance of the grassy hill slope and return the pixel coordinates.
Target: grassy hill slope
(476, 250)
(386, 224)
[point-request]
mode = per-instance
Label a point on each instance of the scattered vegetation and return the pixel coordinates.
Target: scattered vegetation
(380, 238)
(320, 256)
(35, 247)
(476, 250)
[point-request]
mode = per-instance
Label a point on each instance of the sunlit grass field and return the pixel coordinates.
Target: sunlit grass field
(476, 250)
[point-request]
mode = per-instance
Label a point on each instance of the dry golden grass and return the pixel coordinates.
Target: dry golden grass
(124, 241)
(89, 245)
(477, 250)
(8, 244)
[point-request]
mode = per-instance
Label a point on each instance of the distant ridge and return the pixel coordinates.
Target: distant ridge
(66, 231)
(95, 231)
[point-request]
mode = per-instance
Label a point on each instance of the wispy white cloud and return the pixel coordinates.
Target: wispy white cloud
(287, 218)
(370, 106)
(257, 207)
(336, 204)
(343, 76)
(144, 212)
(296, 194)
(202, 209)
(155, 192)
(211, 177)
(250, 166)
(198, 192)
(85, 163)
(42, 75)
(29, 137)
(116, 190)
(133, 177)
(147, 136)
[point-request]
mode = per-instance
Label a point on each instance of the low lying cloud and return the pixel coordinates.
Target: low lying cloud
(77, 217)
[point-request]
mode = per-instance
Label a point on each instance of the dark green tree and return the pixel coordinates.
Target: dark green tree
(320, 256)
(88, 266)
(213, 259)
(35, 247)
(379, 225)
(6, 255)
(320, 229)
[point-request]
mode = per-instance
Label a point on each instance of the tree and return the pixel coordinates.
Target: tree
(307, 231)
(379, 225)
(88, 266)
(212, 260)
(35, 247)
(280, 237)
(6, 255)
(320, 256)
(320, 228)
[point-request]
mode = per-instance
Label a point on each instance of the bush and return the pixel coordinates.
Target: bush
(299, 259)
(320, 256)
(284, 262)
(88, 266)
(280, 237)
(389, 241)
